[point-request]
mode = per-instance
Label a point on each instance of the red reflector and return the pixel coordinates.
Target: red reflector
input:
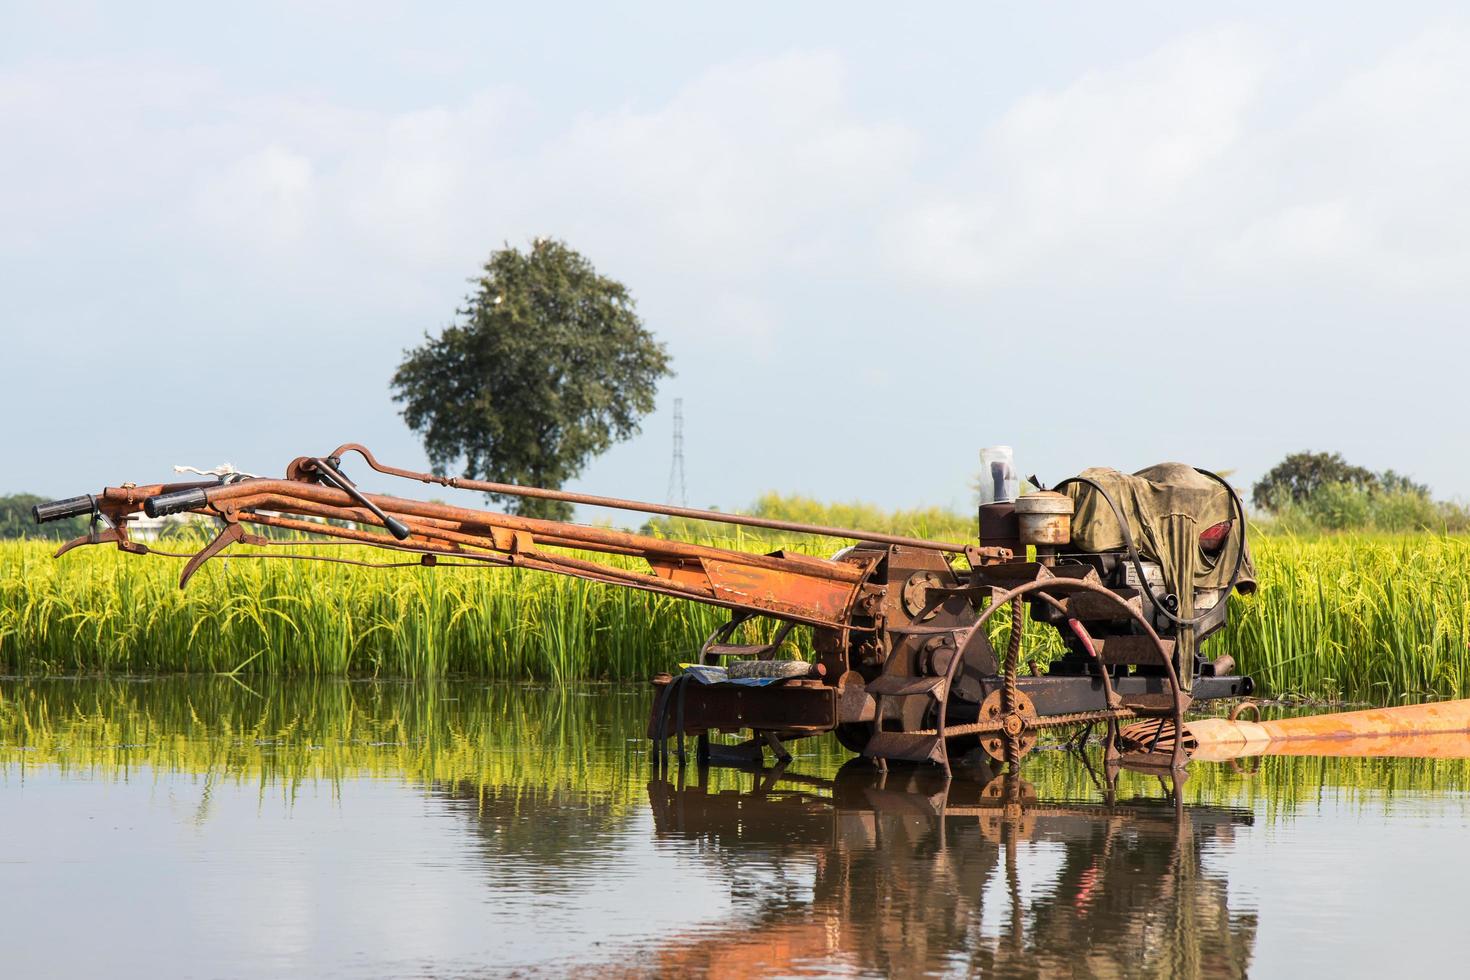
(1212, 539)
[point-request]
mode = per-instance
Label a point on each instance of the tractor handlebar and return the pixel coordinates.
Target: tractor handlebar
(174, 503)
(56, 510)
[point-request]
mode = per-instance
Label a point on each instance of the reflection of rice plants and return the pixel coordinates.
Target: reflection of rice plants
(505, 736)
(1368, 617)
(501, 743)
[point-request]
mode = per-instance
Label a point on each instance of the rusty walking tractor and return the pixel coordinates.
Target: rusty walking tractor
(1132, 571)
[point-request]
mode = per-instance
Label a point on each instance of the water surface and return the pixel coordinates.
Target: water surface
(204, 828)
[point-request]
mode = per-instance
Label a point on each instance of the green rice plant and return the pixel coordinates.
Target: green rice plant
(1365, 617)
(98, 610)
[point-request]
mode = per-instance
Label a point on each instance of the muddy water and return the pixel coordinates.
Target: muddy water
(210, 829)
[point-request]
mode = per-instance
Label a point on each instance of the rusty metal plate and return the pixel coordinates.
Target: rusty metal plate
(789, 592)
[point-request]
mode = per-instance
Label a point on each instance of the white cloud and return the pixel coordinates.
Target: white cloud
(1186, 162)
(1072, 184)
(1198, 162)
(752, 166)
(1190, 159)
(1366, 187)
(266, 196)
(740, 170)
(79, 143)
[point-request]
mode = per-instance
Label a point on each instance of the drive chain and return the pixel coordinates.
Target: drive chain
(1047, 721)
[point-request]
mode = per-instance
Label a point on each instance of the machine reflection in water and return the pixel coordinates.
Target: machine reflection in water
(912, 873)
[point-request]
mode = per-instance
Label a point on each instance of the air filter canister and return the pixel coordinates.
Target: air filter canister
(1045, 518)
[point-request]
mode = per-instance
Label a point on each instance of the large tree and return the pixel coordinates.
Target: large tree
(547, 366)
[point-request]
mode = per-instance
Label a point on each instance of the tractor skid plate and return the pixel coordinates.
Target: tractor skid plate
(1064, 694)
(796, 707)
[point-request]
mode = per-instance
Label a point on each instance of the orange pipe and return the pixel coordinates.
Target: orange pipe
(1436, 730)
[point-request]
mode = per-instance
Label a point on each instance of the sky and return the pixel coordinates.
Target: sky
(873, 242)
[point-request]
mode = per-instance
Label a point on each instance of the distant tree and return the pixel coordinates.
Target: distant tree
(1302, 476)
(16, 520)
(548, 366)
(1391, 482)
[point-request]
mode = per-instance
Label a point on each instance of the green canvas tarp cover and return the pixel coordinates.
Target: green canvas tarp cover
(1166, 507)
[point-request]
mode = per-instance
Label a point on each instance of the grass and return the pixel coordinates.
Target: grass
(1366, 617)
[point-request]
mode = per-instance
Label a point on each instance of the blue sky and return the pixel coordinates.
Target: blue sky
(873, 244)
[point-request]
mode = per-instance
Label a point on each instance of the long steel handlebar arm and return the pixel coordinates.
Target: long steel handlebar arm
(642, 506)
(233, 497)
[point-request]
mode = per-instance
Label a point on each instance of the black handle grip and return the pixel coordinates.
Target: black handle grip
(327, 469)
(55, 510)
(174, 503)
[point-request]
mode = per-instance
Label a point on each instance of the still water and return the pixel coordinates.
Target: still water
(203, 828)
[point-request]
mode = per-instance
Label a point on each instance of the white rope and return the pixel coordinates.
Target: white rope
(223, 469)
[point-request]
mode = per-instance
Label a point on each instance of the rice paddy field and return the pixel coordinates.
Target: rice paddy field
(1363, 617)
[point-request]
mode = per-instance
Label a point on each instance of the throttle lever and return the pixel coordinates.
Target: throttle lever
(335, 477)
